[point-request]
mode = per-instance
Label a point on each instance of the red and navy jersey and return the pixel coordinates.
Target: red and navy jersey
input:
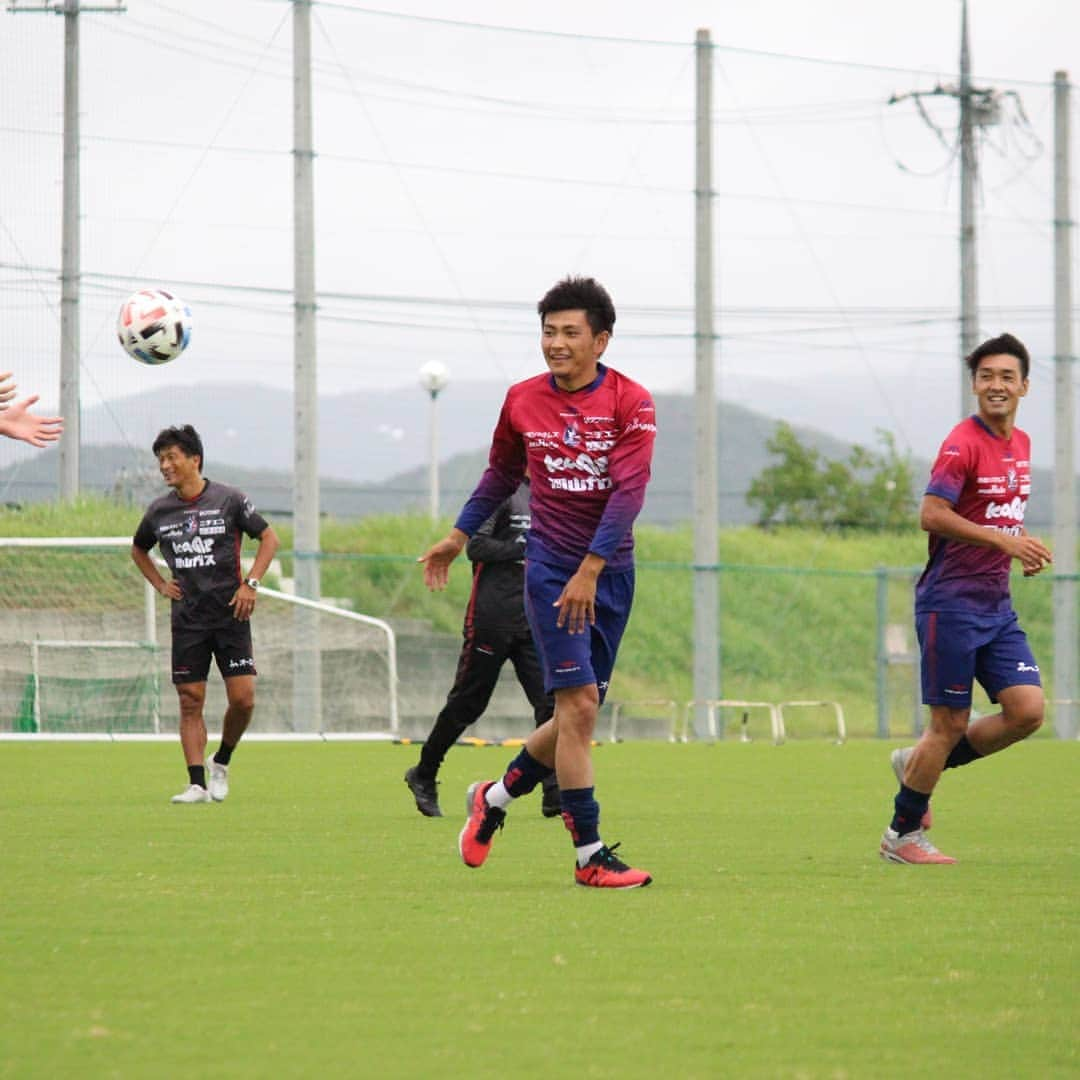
(589, 455)
(986, 479)
(200, 541)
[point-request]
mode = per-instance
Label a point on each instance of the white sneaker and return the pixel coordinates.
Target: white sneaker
(219, 780)
(899, 759)
(193, 793)
(912, 848)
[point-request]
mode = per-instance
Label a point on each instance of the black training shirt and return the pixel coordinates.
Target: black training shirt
(200, 540)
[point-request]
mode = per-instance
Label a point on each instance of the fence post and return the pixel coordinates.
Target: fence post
(882, 596)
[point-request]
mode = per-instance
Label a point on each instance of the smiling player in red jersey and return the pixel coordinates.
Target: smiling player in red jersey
(973, 510)
(586, 434)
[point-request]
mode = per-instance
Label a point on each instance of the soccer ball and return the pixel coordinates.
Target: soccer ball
(154, 326)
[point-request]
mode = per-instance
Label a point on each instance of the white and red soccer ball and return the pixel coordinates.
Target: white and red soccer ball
(154, 326)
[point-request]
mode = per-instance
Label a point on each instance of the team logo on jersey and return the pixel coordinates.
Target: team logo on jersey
(191, 524)
(1012, 482)
(571, 436)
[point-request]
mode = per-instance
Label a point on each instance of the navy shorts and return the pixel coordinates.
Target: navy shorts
(958, 647)
(570, 660)
(230, 646)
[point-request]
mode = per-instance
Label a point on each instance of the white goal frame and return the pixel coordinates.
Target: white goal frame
(150, 641)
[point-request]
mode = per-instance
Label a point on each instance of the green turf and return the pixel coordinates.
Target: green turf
(316, 925)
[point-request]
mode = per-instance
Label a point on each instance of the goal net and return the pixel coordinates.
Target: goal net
(85, 650)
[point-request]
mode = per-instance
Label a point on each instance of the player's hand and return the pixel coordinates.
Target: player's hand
(1033, 554)
(438, 557)
(18, 423)
(172, 590)
(243, 603)
(7, 389)
(577, 603)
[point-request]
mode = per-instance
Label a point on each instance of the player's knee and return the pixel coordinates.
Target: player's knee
(1027, 722)
(191, 702)
(949, 724)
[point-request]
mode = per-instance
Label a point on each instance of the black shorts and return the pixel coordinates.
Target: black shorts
(230, 645)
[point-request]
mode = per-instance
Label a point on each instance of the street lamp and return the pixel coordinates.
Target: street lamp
(434, 376)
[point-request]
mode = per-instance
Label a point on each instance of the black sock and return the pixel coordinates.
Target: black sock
(197, 774)
(224, 754)
(963, 753)
(910, 807)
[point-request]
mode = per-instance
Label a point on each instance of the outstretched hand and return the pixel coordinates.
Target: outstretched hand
(438, 557)
(17, 422)
(7, 389)
(1033, 554)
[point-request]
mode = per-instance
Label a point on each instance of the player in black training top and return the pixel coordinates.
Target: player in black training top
(198, 527)
(495, 630)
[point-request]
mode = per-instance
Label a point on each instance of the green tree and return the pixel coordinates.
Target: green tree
(870, 490)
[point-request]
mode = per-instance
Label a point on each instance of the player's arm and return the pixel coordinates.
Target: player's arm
(437, 559)
(506, 467)
(141, 558)
(243, 600)
(937, 515)
(577, 601)
(17, 422)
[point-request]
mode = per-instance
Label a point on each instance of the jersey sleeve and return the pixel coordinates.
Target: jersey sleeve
(950, 470)
(145, 537)
(506, 468)
(629, 468)
(248, 518)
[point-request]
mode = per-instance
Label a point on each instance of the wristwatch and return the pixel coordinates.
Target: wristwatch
(252, 582)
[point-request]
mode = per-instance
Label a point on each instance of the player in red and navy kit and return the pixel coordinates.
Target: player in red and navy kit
(586, 434)
(973, 510)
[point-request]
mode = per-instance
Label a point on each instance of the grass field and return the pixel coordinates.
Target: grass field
(315, 925)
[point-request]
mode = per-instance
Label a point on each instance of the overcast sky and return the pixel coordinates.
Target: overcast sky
(471, 153)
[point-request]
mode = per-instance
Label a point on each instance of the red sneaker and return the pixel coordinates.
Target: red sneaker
(474, 841)
(604, 871)
(899, 759)
(912, 848)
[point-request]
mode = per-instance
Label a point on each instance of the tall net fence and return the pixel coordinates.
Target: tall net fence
(824, 653)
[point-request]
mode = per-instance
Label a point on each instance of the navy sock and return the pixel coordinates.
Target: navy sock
(197, 775)
(910, 807)
(963, 753)
(581, 815)
(523, 774)
(224, 754)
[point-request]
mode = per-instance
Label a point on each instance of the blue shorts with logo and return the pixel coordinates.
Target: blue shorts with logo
(958, 647)
(570, 660)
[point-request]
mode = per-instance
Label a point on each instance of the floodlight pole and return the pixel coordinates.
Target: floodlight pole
(307, 655)
(433, 378)
(70, 259)
(706, 525)
(1064, 605)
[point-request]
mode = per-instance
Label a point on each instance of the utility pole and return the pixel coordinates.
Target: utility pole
(969, 267)
(1065, 614)
(70, 258)
(706, 524)
(980, 107)
(307, 655)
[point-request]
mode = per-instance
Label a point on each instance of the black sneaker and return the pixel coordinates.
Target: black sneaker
(551, 806)
(427, 798)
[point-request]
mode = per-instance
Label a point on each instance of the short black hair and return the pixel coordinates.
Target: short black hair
(1002, 345)
(186, 438)
(581, 294)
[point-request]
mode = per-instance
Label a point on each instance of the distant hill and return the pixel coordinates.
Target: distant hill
(130, 473)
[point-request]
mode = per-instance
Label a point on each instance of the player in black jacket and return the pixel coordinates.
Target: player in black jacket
(495, 631)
